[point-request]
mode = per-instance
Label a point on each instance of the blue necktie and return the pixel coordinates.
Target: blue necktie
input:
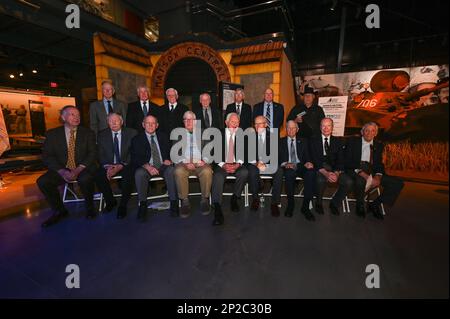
(116, 148)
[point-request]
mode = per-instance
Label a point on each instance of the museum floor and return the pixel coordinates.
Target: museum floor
(254, 255)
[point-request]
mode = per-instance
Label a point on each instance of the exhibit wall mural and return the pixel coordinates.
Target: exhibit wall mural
(408, 103)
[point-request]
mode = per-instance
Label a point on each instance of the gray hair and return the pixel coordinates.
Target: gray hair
(114, 114)
(229, 115)
(369, 124)
(189, 113)
(65, 108)
(143, 87)
(172, 89)
(149, 115)
(200, 99)
(240, 90)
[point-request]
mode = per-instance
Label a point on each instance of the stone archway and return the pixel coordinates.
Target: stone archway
(187, 50)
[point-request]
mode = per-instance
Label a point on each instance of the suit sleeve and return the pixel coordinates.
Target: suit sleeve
(91, 150)
(340, 166)
(93, 121)
(291, 115)
(49, 156)
(378, 166)
(124, 111)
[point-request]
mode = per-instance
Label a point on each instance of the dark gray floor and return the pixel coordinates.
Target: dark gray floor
(253, 256)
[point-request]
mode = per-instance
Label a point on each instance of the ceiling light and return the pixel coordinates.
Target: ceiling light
(11, 76)
(34, 71)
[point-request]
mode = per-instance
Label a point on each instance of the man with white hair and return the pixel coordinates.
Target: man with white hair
(242, 109)
(210, 116)
(364, 164)
(140, 109)
(113, 145)
(172, 112)
(98, 110)
(232, 164)
(192, 162)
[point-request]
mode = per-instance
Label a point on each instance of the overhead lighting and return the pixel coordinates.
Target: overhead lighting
(12, 76)
(34, 71)
(20, 74)
(68, 94)
(333, 6)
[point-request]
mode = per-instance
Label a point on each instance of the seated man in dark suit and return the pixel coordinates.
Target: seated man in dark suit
(140, 109)
(263, 160)
(243, 110)
(272, 111)
(230, 164)
(363, 163)
(327, 154)
(210, 116)
(294, 161)
(150, 156)
(114, 157)
(171, 113)
(69, 153)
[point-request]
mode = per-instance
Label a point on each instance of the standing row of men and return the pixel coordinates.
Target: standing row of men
(139, 150)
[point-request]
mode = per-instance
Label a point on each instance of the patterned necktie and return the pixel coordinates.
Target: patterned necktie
(191, 147)
(171, 107)
(155, 154)
(71, 151)
(144, 108)
(110, 109)
(269, 119)
(327, 147)
(116, 149)
(292, 152)
(230, 154)
(238, 109)
(207, 121)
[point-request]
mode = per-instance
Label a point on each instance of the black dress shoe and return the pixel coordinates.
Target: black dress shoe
(110, 206)
(334, 209)
(121, 212)
(289, 211)
(255, 204)
(308, 215)
(319, 209)
(55, 218)
(91, 214)
(174, 209)
(360, 211)
(275, 210)
(218, 216)
(234, 204)
(142, 211)
(376, 210)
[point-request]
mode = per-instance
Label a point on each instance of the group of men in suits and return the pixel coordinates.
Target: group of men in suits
(133, 143)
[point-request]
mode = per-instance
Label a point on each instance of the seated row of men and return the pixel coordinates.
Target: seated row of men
(71, 154)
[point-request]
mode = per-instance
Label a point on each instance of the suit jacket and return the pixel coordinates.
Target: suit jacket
(216, 116)
(97, 114)
(250, 156)
(353, 151)
(106, 147)
(245, 117)
(54, 151)
(135, 115)
(336, 156)
(278, 113)
(170, 120)
(301, 145)
(141, 151)
(224, 150)
(311, 120)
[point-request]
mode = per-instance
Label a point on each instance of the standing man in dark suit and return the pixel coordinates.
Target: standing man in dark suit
(172, 112)
(230, 164)
(327, 153)
(150, 156)
(69, 154)
(209, 115)
(243, 110)
(294, 161)
(307, 115)
(363, 163)
(272, 111)
(140, 109)
(114, 157)
(98, 110)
